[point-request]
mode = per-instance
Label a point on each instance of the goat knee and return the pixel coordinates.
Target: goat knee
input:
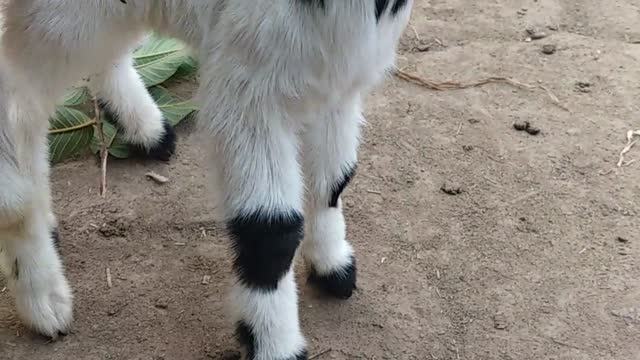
(15, 198)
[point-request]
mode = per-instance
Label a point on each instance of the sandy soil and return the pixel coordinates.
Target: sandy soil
(536, 258)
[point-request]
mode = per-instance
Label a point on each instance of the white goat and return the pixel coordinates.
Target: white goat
(280, 94)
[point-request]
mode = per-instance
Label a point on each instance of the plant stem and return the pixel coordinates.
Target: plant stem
(104, 154)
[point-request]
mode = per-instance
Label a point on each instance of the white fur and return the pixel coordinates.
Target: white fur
(273, 317)
(277, 77)
(126, 95)
(331, 149)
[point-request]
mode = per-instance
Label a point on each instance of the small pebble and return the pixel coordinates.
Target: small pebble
(452, 190)
(535, 34)
(622, 240)
(162, 303)
(500, 322)
(573, 131)
(548, 49)
(583, 86)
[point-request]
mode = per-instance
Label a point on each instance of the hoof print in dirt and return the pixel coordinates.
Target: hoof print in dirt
(526, 127)
(340, 284)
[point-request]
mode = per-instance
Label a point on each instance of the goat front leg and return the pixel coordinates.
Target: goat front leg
(330, 157)
(28, 255)
(257, 177)
(125, 98)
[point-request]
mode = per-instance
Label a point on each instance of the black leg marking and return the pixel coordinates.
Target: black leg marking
(397, 6)
(55, 236)
(339, 186)
(264, 247)
(381, 6)
(16, 269)
(339, 284)
(163, 150)
(166, 147)
(245, 336)
(318, 3)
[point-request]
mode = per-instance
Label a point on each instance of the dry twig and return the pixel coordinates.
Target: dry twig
(104, 154)
(631, 142)
(157, 177)
(454, 85)
(324, 352)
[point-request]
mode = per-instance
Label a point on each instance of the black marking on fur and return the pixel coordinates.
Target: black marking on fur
(339, 284)
(163, 150)
(245, 336)
(166, 147)
(381, 6)
(264, 246)
(340, 185)
(318, 3)
(397, 6)
(16, 269)
(55, 237)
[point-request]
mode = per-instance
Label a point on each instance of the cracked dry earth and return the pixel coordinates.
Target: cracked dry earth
(475, 241)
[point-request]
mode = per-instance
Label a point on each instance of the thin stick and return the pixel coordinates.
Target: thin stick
(630, 144)
(459, 130)
(104, 154)
(109, 282)
(324, 352)
(454, 85)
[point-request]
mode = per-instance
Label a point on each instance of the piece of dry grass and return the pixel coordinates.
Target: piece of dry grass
(324, 352)
(631, 142)
(454, 85)
(157, 177)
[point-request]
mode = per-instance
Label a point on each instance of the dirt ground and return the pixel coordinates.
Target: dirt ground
(535, 258)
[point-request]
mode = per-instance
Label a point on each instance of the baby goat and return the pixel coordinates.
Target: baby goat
(281, 93)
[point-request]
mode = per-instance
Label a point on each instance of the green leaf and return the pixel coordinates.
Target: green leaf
(157, 47)
(159, 58)
(173, 109)
(70, 132)
(189, 66)
(76, 96)
(120, 148)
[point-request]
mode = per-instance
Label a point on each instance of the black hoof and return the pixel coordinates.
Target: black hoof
(339, 284)
(166, 147)
(162, 150)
